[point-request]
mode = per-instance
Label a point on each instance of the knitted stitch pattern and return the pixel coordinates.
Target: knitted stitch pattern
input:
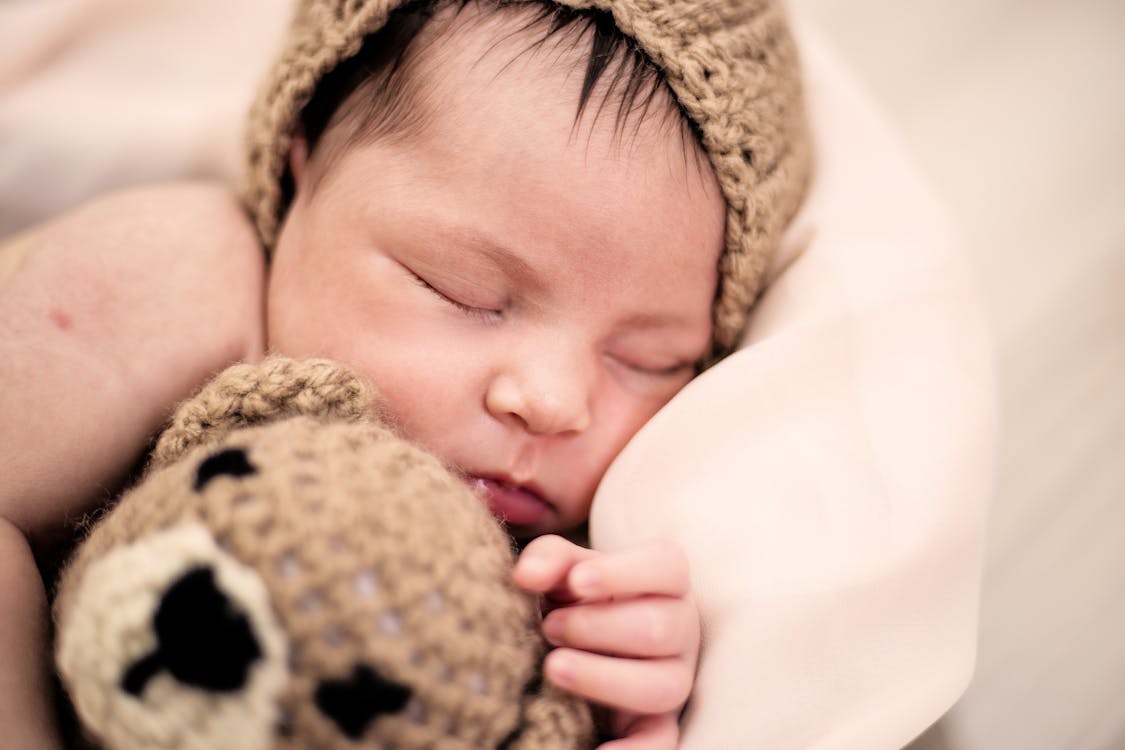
(732, 64)
(309, 581)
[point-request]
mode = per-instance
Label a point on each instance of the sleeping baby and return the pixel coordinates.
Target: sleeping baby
(528, 223)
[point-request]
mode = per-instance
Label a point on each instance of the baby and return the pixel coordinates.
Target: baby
(528, 225)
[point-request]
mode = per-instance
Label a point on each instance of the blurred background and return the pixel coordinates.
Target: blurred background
(1015, 111)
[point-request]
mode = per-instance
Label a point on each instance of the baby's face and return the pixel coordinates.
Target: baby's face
(524, 294)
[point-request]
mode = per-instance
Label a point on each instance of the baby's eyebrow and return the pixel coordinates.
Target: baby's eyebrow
(470, 238)
(644, 320)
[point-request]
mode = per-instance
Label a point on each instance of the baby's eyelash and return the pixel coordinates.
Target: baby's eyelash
(481, 313)
(658, 372)
(666, 372)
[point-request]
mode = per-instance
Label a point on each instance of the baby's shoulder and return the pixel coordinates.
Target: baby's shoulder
(161, 285)
(170, 215)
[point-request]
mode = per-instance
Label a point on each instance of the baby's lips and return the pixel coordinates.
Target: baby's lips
(511, 503)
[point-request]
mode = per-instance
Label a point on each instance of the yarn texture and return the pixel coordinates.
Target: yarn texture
(292, 574)
(732, 65)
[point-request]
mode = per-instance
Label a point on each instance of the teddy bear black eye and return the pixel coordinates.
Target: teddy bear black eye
(230, 462)
(354, 702)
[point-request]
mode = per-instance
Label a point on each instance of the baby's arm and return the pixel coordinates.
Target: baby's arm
(627, 630)
(108, 317)
(25, 708)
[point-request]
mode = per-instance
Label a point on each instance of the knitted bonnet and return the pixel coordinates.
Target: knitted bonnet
(290, 575)
(732, 65)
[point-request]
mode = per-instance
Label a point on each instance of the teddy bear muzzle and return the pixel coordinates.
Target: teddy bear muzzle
(191, 652)
(203, 639)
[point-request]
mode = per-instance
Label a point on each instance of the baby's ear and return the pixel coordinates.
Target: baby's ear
(299, 156)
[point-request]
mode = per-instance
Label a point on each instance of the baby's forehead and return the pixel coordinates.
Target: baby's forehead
(469, 34)
(468, 75)
(532, 56)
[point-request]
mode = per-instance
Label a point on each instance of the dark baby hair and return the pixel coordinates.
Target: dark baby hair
(370, 96)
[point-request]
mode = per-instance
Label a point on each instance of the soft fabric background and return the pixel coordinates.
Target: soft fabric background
(1014, 109)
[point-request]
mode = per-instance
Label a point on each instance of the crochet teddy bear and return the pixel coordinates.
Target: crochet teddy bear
(291, 574)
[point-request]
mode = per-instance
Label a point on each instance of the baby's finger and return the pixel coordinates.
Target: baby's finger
(648, 732)
(647, 686)
(653, 568)
(544, 564)
(647, 627)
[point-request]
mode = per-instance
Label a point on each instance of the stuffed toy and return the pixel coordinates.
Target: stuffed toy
(289, 573)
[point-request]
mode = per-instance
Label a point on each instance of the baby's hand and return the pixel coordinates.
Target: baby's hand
(626, 629)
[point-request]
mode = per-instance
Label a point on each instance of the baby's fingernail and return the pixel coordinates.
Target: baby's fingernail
(553, 629)
(585, 582)
(561, 669)
(531, 564)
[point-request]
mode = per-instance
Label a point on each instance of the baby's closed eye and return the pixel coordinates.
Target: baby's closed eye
(655, 366)
(459, 299)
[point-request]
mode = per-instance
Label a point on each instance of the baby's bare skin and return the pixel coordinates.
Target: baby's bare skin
(109, 316)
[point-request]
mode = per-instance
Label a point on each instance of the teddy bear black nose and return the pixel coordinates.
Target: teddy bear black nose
(203, 639)
(353, 703)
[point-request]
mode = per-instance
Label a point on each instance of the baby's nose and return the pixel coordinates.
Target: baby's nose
(547, 398)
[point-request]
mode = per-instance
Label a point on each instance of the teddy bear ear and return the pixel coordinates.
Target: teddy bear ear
(277, 388)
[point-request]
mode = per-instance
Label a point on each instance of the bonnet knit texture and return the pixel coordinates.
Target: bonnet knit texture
(732, 64)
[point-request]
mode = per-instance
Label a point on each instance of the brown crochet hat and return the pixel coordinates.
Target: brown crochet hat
(732, 64)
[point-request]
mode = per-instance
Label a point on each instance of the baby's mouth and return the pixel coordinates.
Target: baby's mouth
(511, 503)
